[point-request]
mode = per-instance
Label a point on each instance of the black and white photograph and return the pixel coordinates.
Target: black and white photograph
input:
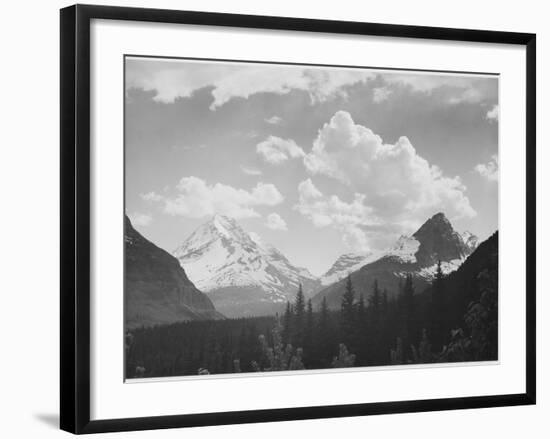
(272, 220)
(288, 217)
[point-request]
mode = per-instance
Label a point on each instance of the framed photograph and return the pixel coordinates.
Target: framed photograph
(268, 218)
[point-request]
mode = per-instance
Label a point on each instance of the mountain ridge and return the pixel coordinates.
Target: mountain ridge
(240, 273)
(157, 290)
(243, 275)
(404, 248)
(418, 254)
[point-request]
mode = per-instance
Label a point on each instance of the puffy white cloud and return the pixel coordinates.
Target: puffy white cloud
(250, 171)
(140, 219)
(489, 170)
(274, 120)
(381, 94)
(275, 150)
(492, 114)
(275, 222)
(324, 211)
(197, 199)
(172, 79)
(393, 185)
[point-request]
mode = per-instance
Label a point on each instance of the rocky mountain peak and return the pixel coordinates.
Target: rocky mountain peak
(436, 224)
(439, 242)
(236, 268)
(418, 254)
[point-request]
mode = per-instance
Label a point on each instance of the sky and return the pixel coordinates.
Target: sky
(317, 161)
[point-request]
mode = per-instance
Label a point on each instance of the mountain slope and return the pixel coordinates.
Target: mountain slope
(471, 296)
(463, 285)
(434, 241)
(346, 263)
(242, 275)
(157, 289)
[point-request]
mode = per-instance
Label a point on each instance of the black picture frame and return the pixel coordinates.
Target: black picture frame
(75, 217)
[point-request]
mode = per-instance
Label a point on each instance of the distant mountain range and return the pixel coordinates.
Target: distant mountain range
(157, 290)
(244, 276)
(435, 241)
(405, 250)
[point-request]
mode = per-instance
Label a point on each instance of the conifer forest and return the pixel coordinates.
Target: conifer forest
(455, 319)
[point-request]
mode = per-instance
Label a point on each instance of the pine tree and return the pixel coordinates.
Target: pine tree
(325, 334)
(348, 299)
(309, 331)
(324, 309)
(438, 309)
(287, 324)
(375, 300)
(373, 341)
(361, 330)
(385, 302)
(299, 318)
(300, 304)
(407, 310)
(309, 316)
(361, 310)
(347, 315)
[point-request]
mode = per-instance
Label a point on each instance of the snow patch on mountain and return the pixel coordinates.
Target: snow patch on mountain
(346, 264)
(470, 240)
(446, 267)
(405, 249)
(221, 254)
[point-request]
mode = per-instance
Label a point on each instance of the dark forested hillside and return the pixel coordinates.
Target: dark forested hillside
(453, 320)
(157, 289)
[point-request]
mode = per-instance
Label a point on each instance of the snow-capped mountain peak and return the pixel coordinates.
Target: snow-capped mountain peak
(221, 255)
(227, 227)
(434, 241)
(419, 254)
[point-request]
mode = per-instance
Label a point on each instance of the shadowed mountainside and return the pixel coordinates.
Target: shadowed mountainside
(157, 290)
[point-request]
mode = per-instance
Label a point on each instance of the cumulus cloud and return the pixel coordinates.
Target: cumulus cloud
(488, 170)
(173, 79)
(250, 171)
(492, 114)
(275, 150)
(140, 219)
(275, 222)
(381, 94)
(347, 217)
(273, 120)
(197, 199)
(392, 184)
